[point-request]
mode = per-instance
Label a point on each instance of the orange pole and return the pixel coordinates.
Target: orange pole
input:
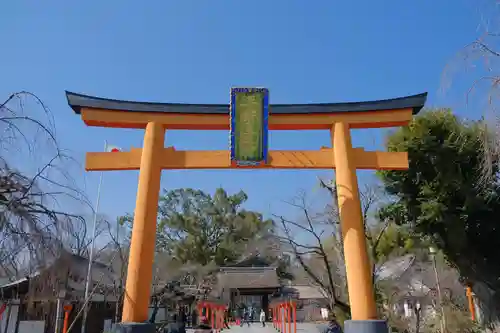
(278, 316)
(207, 312)
(278, 319)
(294, 306)
(274, 315)
(285, 321)
(209, 315)
(67, 310)
(219, 319)
(358, 269)
(142, 246)
(212, 315)
(216, 318)
(470, 298)
(282, 319)
(289, 310)
(223, 317)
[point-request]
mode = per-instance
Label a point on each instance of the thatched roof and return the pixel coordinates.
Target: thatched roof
(248, 277)
(305, 292)
(66, 267)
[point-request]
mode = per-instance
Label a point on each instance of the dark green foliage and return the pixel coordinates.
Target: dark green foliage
(199, 228)
(442, 196)
(395, 241)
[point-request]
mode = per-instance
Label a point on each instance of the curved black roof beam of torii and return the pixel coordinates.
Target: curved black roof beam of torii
(78, 101)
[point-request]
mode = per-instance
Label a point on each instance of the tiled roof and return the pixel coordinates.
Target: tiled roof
(306, 292)
(79, 101)
(248, 277)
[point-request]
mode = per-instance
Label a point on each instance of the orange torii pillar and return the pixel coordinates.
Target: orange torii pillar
(219, 318)
(357, 262)
(67, 311)
(273, 315)
(470, 298)
(206, 310)
(140, 274)
(212, 316)
(223, 317)
(282, 318)
(275, 320)
(278, 319)
(287, 317)
(216, 324)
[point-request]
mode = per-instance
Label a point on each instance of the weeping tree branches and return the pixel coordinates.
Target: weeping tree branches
(479, 63)
(36, 188)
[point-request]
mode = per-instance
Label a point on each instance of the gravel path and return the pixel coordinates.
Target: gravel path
(257, 328)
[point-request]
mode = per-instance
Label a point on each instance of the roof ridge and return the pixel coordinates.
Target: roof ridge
(78, 101)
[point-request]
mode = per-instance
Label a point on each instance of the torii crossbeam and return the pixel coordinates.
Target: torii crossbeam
(338, 118)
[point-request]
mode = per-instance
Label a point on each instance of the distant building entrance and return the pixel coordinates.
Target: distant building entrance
(249, 284)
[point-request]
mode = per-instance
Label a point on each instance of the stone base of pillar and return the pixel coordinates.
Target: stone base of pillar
(134, 328)
(366, 326)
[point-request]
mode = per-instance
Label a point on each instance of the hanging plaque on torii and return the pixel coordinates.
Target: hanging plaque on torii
(249, 110)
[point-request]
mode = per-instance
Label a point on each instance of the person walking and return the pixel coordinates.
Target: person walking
(324, 314)
(245, 318)
(182, 320)
(333, 326)
(263, 317)
(226, 319)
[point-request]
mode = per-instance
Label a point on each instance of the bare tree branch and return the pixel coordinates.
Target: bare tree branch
(31, 197)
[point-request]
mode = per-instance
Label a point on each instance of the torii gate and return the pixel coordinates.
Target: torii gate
(338, 118)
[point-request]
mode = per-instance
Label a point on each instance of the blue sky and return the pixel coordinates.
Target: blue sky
(194, 51)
